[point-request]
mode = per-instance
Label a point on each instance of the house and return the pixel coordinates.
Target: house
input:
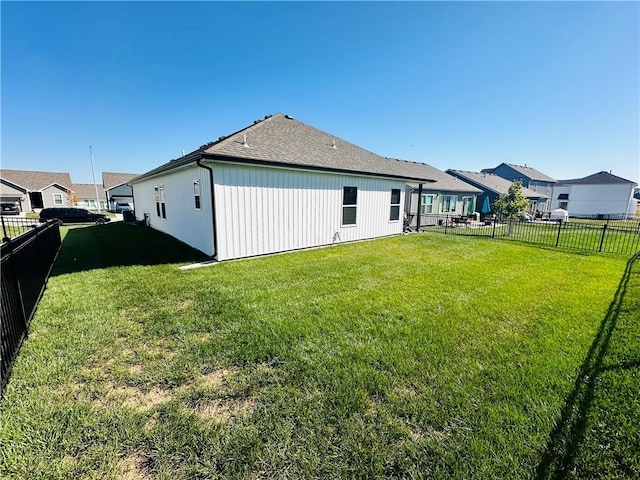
(35, 190)
(493, 186)
(275, 186)
(531, 178)
(447, 195)
(85, 196)
(599, 195)
(116, 188)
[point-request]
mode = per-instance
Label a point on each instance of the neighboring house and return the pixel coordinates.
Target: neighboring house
(493, 186)
(275, 186)
(599, 195)
(35, 190)
(117, 189)
(531, 178)
(85, 196)
(447, 195)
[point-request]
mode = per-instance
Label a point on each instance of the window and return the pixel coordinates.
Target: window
(157, 194)
(196, 194)
(426, 204)
(395, 205)
(564, 205)
(448, 203)
(57, 199)
(468, 205)
(349, 205)
(161, 209)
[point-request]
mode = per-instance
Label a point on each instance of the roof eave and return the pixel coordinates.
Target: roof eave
(299, 166)
(68, 189)
(15, 185)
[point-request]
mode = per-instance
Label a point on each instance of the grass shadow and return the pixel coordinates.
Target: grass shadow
(89, 247)
(558, 459)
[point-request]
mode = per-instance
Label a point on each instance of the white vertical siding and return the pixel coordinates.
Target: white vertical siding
(184, 221)
(265, 210)
(613, 199)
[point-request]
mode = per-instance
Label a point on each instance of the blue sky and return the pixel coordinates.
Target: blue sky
(458, 85)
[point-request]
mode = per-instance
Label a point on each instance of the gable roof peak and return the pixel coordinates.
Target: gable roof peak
(282, 140)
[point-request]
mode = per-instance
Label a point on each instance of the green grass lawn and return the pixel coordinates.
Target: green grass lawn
(419, 356)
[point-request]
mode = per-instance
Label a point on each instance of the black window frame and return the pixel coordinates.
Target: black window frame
(196, 194)
(161, 208)
(394, 211)
(349, 205)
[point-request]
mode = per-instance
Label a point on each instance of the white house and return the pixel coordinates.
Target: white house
(599, 195)
(274, 186)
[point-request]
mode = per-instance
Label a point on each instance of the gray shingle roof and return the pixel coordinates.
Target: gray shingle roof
(447, 183)
(87, 190)
(33, 180)
(282, 140)
(492, 182)
(114, 179)
(530, 173)
(600, 178)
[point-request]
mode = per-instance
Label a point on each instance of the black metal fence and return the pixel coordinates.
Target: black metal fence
(617, 236)
(26, 263)
(15, 226)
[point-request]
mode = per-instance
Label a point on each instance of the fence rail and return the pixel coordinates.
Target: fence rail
(599, 235)
(15, 226)
(26, 263)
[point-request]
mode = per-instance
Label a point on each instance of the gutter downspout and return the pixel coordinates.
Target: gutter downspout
(418, 223)
(213, 209)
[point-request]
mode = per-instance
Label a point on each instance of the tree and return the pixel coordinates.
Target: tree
(513, 203)
(72, 198)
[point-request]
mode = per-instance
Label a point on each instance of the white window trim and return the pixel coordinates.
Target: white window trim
(425, 204)
(472, 201)
(58, 195)
(161, 208)
(454, 203)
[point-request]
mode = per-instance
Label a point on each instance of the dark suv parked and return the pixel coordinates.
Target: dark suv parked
(73, 215)
(9, 208)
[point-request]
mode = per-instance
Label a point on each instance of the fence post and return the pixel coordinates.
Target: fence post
(495, 220)
(604, 231)
(4, 230)
(43, 270)
(559, 230)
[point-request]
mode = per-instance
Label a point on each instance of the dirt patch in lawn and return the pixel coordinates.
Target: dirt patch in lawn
(215, 378)
(134, 467)
(225, 410)
(136, 398)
